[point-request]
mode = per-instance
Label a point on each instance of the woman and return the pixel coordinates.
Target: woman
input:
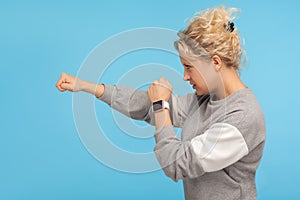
(223, 127)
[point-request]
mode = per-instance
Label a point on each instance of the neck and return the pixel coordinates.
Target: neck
(230, 84)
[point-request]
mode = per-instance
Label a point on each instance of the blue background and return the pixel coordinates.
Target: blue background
(41, 154)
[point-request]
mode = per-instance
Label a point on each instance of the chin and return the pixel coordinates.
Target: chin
(198, 92)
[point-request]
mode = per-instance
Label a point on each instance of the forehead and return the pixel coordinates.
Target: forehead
(185, 60)
(192, 62)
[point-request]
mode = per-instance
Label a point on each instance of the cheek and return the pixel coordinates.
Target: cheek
(198, 78)
(205, 77)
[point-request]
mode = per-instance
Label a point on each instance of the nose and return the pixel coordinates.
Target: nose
(186, 76)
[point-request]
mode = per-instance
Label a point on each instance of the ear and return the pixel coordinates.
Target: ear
(217, 61)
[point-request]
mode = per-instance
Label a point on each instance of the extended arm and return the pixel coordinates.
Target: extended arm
(132, 103)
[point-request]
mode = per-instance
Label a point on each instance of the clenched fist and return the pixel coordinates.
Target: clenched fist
(160, 90)
(68, 82)
(74, 84)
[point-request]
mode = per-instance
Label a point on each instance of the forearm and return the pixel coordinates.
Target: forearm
(162, 119)
(92, 88)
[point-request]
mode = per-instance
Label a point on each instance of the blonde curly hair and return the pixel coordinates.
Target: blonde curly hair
(211, 33)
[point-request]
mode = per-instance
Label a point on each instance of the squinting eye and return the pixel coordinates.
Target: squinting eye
(187, 67)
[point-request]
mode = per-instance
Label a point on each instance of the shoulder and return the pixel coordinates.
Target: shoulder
(247, 116)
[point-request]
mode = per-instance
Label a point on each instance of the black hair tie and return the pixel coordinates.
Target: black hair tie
(229, 26)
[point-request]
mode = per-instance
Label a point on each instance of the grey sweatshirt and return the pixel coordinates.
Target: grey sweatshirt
(221, 141)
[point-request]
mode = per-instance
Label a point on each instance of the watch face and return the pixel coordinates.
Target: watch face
(157, 105)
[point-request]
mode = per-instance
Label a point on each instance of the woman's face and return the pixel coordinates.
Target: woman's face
(200, 75)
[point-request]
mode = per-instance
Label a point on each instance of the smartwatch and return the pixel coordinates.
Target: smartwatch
(160, 105)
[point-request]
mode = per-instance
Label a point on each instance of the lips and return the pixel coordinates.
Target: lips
(193, 85)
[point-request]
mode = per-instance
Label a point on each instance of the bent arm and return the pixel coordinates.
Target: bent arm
(218, 147)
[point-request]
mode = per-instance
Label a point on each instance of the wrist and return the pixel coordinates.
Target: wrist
(80, 85)
(160, 105)
(158, 99)
(99, 90)
(84, 86)
(95, 89)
